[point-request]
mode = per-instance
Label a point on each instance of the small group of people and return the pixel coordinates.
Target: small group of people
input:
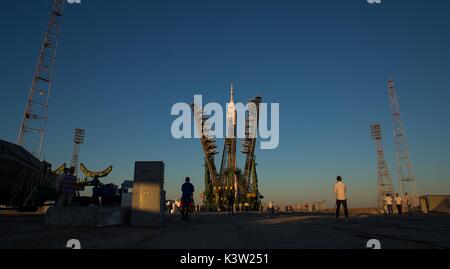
(187, 190)
(340, 190)
(187, 200)
(399, 202)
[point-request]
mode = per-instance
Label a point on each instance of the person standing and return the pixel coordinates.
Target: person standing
(340, 190)
(231, 203)
(408, 203)
(69, 184)
(388, 201)
(187, 190)
(398, 203)
(272, 207)
(60, 179)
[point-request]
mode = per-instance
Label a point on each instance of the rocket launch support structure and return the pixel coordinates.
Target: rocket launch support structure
(230, 184)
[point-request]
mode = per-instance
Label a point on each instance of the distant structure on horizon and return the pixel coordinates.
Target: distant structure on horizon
(405, 172)
(384, 178)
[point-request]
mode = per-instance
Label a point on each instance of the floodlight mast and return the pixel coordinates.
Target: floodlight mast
(78, 140)
(385, 186)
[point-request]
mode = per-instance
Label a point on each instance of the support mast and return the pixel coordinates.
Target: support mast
(32, 129)
(405, 172)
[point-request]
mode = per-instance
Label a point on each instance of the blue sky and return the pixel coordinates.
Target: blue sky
(123, 64)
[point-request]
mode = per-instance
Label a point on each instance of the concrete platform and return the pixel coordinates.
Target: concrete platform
(241, 231)
(87, 216)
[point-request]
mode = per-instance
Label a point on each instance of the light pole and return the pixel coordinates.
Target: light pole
(78, 140)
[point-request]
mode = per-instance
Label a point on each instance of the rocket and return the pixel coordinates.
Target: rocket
(231, 115)
(231, 112)
(231, 133)
(232, 93)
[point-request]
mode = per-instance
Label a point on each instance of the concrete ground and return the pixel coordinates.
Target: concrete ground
(241, 231)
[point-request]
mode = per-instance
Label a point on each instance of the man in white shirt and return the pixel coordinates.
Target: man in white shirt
(398, 203)
(388, 200)
(341, 199)
(272, 207)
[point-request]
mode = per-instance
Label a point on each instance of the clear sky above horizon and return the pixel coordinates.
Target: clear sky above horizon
(123, 64)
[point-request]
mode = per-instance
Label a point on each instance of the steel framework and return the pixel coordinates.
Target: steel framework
(405, 172)
(213, 186)
(249, 147)
(230, 181)
(384, 178)
(36, 110)
(77, 141)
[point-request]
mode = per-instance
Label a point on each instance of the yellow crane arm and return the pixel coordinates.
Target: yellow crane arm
(91, 174)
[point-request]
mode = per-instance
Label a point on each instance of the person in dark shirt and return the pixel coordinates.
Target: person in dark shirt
(69, 185)
(231, 203)
(186, 198)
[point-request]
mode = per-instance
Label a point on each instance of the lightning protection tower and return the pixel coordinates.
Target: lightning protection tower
(404, 165)
(32, 129)
(384, 179)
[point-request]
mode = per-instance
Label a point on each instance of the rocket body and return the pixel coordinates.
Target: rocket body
(231, 116)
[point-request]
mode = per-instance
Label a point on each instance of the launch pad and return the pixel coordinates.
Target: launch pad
(252, 230)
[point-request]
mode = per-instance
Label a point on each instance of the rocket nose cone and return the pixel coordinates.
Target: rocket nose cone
(232, 93)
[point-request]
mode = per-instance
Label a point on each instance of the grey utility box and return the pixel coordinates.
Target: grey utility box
(148, 194)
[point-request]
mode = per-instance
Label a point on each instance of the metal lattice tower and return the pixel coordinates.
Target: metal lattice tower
(384, 178)
(249, 146)
(77, 141)
(404, 166)
(32, 129)
(213, 185)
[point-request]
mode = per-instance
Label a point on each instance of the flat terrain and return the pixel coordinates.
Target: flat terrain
(241, 231)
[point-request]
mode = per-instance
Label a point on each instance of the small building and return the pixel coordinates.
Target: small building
(435, 204)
